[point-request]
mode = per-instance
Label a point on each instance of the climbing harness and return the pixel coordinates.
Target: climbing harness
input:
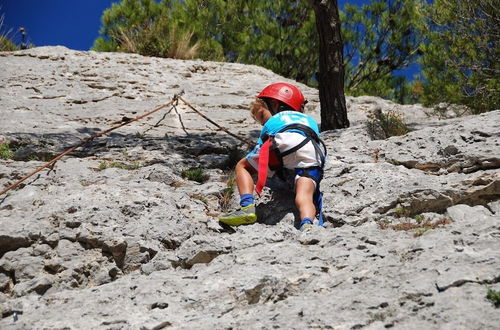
(270, 157)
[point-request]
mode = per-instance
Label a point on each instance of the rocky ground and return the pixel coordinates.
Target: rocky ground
(117, 235)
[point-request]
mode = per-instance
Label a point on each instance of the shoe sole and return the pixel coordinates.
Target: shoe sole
(240, 220)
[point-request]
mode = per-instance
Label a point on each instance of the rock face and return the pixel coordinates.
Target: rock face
(116, 235)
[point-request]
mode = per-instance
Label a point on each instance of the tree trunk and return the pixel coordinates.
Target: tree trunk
(331, 65)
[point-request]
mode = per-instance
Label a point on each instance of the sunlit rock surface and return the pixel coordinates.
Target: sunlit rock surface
(116, 236)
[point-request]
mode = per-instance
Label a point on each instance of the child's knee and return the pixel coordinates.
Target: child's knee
(303, 199)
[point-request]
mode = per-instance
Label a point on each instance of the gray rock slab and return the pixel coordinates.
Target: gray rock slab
(114, 236)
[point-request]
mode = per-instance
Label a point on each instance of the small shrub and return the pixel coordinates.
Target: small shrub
(195, 174)
(39, 156)
(384, 125)
(444, 110)
(419, 218)
(5, 150)
(494, 296)
(402, 212)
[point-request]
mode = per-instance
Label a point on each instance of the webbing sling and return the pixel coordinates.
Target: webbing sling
(263, 165)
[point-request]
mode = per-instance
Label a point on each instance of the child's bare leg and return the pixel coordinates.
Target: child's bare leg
(244, 178)
(304, 192)
(246, 213)
(244, 181)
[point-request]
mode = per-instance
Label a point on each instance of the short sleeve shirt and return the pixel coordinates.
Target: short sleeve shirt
(306, 156)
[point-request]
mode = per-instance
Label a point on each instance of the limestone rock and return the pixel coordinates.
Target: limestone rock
(116, 235)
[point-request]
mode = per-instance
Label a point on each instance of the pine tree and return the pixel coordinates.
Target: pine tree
(331, 68)
(460, 60)
(380, 38)
(126, 24)
(284, 39)
(146, 27)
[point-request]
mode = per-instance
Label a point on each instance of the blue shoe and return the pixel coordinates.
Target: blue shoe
(306, 225)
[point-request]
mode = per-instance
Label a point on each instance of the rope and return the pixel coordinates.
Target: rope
(125, 121)
(87, 140)
(214, 123)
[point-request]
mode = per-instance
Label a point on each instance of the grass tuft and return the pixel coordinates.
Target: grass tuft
(200, 197)
(6, 151)
(157, 39)
(226, 196)
(181, 45)
(494, 297)
(6, 43)
(195, 174)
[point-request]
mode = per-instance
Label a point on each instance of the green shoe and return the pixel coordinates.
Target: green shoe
(241, 216)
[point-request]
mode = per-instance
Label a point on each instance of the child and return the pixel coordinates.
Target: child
(293, 139)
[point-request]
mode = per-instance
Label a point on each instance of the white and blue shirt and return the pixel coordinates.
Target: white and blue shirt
(302, 158)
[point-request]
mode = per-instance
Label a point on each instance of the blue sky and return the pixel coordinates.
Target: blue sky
(71, 23)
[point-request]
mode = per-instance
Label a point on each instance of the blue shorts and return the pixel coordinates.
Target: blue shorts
(314, 173)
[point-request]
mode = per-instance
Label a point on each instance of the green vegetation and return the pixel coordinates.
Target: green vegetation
(145, 27)
(105, 165)
(460, 56)
(6, 151)
(7, 38)
(454, 41)
(494, 296)
(6, 43)
(195, 174)
(402, 212)
(41, 157)
(419, 218)
(380, 38)
(384, 125)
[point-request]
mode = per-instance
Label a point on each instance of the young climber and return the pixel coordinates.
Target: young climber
(289, 139)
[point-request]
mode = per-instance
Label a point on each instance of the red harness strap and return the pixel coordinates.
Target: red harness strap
(263, 164)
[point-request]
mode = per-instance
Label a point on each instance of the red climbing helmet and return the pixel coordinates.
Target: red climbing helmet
(286, 93)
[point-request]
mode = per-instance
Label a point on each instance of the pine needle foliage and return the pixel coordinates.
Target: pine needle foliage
(380, 38)
(454, 41)
(460, 55)
(145, 27)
